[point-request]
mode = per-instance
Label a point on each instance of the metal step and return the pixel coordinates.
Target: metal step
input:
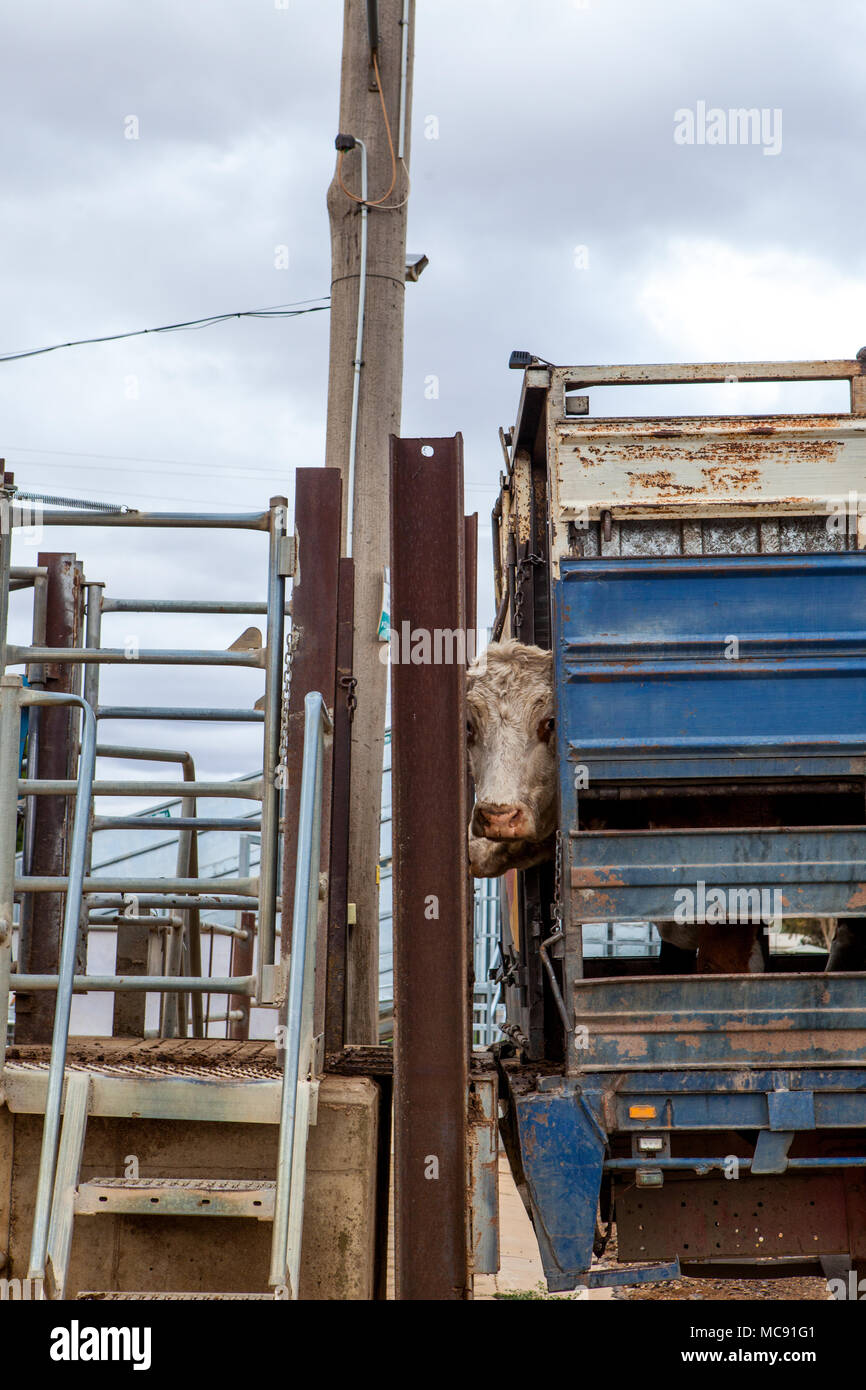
(108, 1296)
(176, 1197)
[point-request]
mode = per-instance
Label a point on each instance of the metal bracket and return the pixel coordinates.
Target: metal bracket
(287, 561)
(771, 1151)
(633, 1274)
(274, 981)
(791, 1109)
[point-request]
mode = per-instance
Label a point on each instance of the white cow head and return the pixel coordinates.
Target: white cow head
(512, 758)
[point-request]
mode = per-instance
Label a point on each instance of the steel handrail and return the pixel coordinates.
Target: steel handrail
(298, 1055)
(66, 970)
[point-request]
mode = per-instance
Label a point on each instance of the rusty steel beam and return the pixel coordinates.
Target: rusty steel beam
(470, 551)
(39, 951)
(431, 995)
(470, 603)
(318, 503)
(338, 882)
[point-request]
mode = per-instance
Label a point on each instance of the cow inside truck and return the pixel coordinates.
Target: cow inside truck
(669, 732)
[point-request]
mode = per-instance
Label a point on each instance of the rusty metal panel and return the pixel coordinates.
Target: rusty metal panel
(39, 948)
(742, 465)
(712, 1218)
(734, 876)
(705, 1020)
(318, 503)
(432, 1001)
(681, 373)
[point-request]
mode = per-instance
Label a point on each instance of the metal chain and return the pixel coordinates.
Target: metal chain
(557, 883)
(521, 573)
(292, 638)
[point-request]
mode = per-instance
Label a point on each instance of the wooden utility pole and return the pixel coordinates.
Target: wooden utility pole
(378, 416)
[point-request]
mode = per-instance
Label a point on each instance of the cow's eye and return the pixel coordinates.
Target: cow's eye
(470, 732)
(545, 730)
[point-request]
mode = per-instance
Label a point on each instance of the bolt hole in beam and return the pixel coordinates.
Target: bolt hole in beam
(427, 450)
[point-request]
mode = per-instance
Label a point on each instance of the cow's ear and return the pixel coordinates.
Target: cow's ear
(545, 729)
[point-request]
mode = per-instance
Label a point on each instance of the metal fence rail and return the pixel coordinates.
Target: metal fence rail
(186, 892)
(299, 1069)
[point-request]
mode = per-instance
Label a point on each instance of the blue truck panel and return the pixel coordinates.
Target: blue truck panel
(755, 659)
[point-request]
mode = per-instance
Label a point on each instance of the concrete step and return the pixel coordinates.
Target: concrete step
(176, 1197)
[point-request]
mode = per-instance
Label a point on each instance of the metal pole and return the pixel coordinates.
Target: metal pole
(7, 492)
(152, 984)
(243, 791)
(92, 638)
(205, 521)
(183, 605)
(36, 679)
(298, 1060)
(270, 850)
(358, 360)
(215, 716)
(188, 886)
(243, 950)
(431, 995)
(66, 973)
(119, 656)
(10, 719)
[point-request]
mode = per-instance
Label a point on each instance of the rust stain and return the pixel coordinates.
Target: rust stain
(726, 476)
(631, 1047)
(662, 479)
(590, 877)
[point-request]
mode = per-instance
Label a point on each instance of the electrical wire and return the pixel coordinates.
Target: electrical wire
(180, 470)
(394, 207)
(279, 311)
(378, 202)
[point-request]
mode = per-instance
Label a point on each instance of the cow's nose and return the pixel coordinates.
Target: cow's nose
(500, 822)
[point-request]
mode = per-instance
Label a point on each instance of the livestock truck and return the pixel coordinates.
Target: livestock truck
(701, 582)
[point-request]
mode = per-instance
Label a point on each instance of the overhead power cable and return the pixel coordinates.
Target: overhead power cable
(279, 311)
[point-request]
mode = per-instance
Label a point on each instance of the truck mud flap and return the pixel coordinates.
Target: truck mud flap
(562, 1145)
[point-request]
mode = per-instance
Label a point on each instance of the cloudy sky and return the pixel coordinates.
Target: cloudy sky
(558, 211)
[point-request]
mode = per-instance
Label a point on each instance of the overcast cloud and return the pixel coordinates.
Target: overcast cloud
(556, 209)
